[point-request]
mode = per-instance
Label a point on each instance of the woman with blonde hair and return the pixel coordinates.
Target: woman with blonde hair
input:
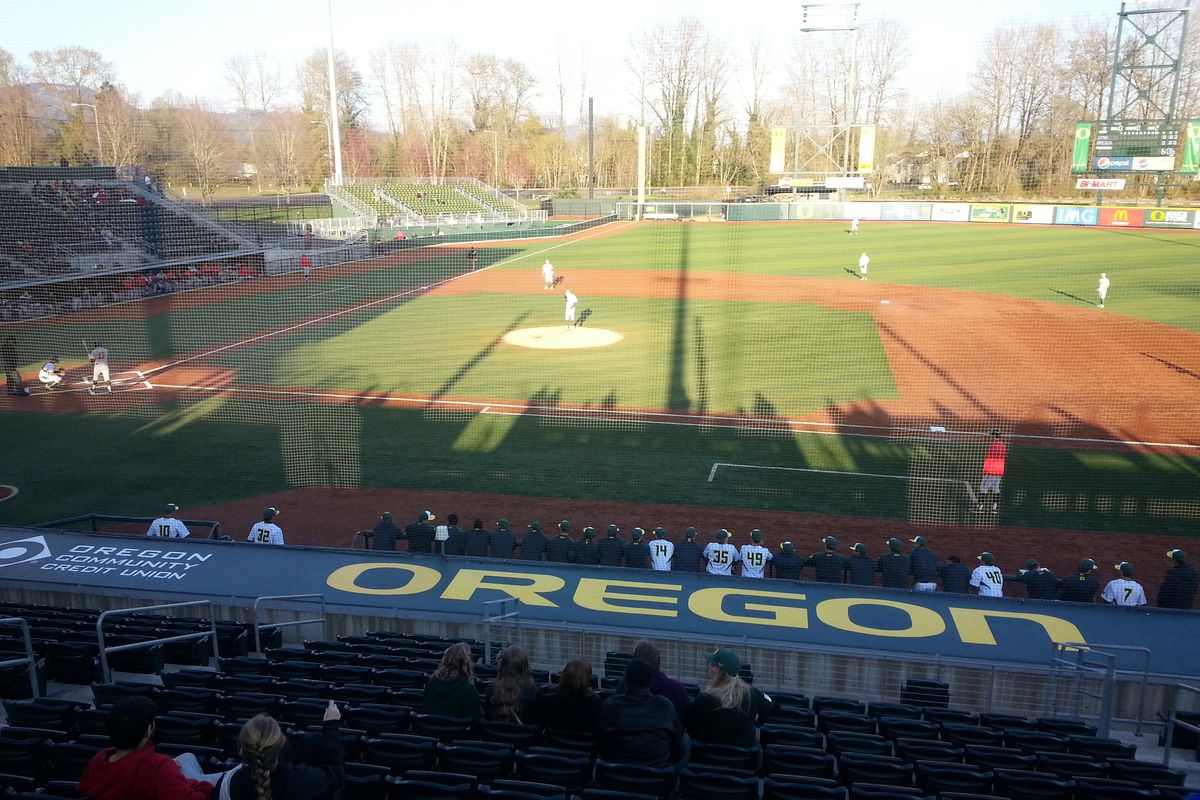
(451, 688)
(729, 710)
(514, 697)
(268, 773)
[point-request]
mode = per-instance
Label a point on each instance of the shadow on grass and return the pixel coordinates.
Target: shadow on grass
(1076, 297)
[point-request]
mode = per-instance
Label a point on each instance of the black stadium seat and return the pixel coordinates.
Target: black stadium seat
(792, 787)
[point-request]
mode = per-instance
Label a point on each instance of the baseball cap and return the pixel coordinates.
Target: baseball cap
(535, 526)
(503, 523)
(788, 547)
(994, 431)
(613, 530)
(638, 674)
(1125, 567)
(386, 516)
(920, 541)
(756, 535)
(1178, 555)
(722, 534)
(565, 526)
(660, 532)
(589, 532)
(270, 514)
(690, 533)
(859, 547)
(829, 542)
(986, 558)
(726, 659)
(894, 544)
(170, 508)
(637, 533)
(1031, 564)
(1087, 565)
(427, 515)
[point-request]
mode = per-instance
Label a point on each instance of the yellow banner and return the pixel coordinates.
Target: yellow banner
(778, 143)
(866, 148)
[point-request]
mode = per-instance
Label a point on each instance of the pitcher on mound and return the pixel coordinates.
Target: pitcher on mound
(572, 300)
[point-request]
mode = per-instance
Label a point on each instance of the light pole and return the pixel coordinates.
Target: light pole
(96, 119)
(495, 159)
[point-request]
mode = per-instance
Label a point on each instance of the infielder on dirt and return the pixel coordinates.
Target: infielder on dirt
(99, 359)
(547, 275)
(863, 262)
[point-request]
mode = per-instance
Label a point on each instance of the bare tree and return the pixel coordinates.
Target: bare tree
(8, 68)
(205, 148)
(883, 53)
(77, 69)
(672, 56)
(313, 79)
(1089, 66)
(20, 134)
(241, 82)
(123, 127)
(287, 151)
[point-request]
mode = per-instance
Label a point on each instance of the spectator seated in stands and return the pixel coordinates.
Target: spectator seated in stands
(514, 697)
(637, 727)
(315, 772)
(660, 684)
(573, 706)
(131, 768)
(451, 690)
(728, 710)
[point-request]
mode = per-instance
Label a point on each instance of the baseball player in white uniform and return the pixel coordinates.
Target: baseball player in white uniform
(661, 550)
(167, 526)
(572, 300)
(548, 275)
(720, 555)
(99, 359)
(1124, 591)
(987, 577)
(863, 263)
(1102, 288)
(266, 532)
(754, 556)
(50, 375)
(854, 226)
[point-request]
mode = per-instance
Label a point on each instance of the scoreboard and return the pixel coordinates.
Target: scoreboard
(1135, 146)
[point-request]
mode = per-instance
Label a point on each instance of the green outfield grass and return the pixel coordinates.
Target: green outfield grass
(381, 334)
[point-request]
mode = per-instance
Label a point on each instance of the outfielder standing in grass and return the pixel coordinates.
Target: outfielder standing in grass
(993, 471)
(863, 262)
(1102, 288)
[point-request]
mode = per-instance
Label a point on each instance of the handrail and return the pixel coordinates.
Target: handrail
(106, 673)
(501, 616)
(1109, 651)
(29, 658)
(1172, 721)
(214, 526)
(258, 602)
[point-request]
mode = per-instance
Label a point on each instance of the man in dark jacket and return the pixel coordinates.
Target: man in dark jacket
(504, 541)
(637, 727)
(1081, 587)
(611, 548)
(687, 553)
(955, 577)
(561, 549)
(533, 543)
(1040, 583)
(477, 540)
(456, 540)
(386, 533)
(894, 566)
(587, 551)
(923, 564)
(420, 533)
(637, 552)
(786, 564)
(661, 685)
(860, 567)
(1178, 589)
(829, 566)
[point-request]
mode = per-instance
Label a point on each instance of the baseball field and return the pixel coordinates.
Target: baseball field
(720, 372)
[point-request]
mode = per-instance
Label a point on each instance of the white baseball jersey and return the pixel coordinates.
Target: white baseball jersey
(46, 373)
(661, 551)
(99, 357)
(1124, 592)
(721, 557)
(168, 527)
(854, 226)
(548, 272)
(863, 261)
(1102, 287)
(754, 560)
(989, 580)
(266, 533)
(571, 301)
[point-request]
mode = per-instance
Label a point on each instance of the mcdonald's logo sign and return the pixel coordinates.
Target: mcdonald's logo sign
(1121, 217)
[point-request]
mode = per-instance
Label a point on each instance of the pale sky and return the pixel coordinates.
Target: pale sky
(161, 45)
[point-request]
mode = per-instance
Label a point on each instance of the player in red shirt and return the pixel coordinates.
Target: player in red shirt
(993, 471)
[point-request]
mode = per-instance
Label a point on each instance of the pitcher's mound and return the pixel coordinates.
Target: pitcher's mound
(561, 338)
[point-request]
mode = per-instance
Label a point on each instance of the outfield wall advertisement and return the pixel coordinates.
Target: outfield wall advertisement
(1168, 218)
(1076, 215)
(701, 607)
(950, 212)
(1034, 215)
(991, 212)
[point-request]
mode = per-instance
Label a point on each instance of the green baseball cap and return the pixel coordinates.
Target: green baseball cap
(726, 660)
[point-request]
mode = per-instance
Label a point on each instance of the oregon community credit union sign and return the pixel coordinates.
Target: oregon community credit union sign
(786, 613)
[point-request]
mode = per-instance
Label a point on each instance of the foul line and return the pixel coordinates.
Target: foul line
(327, 291)
(712, 474)
(369, 304)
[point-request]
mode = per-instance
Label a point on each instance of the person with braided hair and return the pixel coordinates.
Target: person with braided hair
(267, 773)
